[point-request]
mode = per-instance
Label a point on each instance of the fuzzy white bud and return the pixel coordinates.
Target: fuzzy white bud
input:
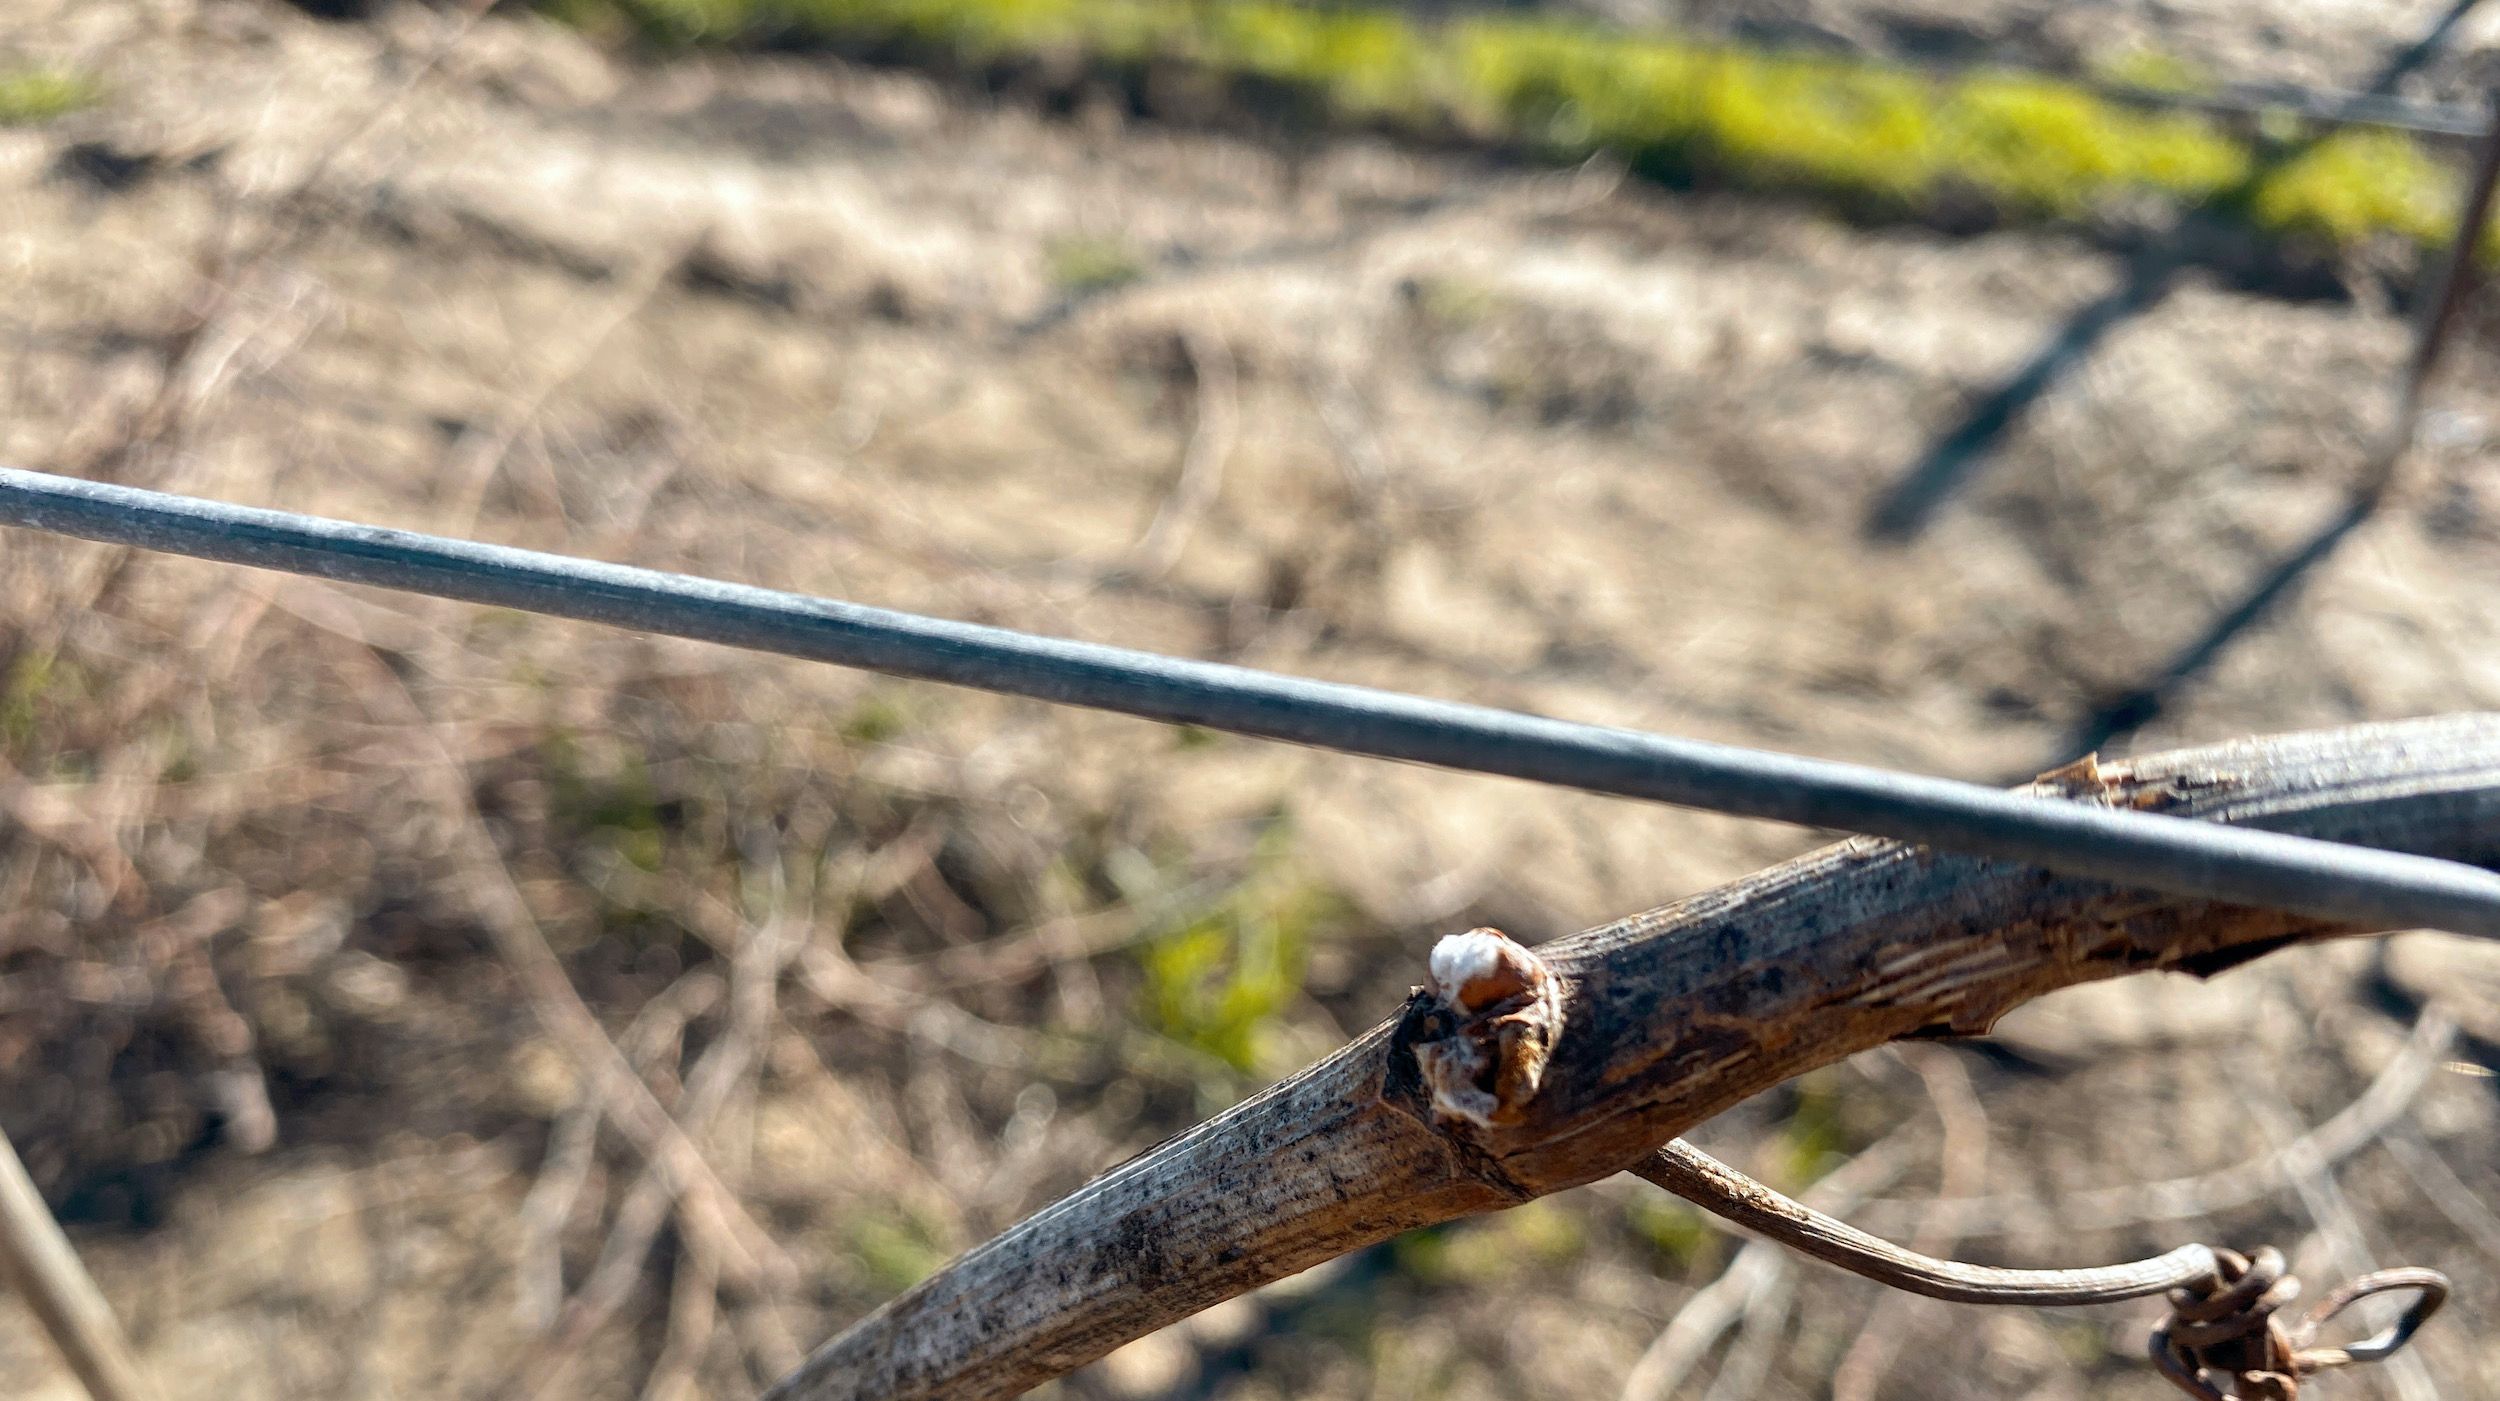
(1479, 968)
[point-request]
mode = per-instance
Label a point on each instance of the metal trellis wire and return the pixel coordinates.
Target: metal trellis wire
(2172, 855)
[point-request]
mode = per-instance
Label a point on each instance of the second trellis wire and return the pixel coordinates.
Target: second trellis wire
(2175, 856)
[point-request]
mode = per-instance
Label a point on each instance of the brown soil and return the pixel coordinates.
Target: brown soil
(1540, 439)
(2320, 43)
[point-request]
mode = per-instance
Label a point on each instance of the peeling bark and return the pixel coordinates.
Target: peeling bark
(1666, 1018)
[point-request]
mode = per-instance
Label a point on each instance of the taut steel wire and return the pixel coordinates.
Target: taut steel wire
(2172, 855)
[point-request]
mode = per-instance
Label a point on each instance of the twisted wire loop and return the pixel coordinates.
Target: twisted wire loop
(2225, 1308)
(2231, 1325)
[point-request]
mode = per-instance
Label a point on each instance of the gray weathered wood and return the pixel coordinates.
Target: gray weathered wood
(39, 1265)
(1668, 1017)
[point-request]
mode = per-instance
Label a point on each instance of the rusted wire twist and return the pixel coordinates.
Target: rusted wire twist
(1483, 1027)
(2225, 1308)
(2231, 1324)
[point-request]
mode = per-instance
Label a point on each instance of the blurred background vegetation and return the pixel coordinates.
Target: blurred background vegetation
(1558, 357)
(1882, 139)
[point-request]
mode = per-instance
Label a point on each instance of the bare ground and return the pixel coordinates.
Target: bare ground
(2437, 49)
(1540, 439)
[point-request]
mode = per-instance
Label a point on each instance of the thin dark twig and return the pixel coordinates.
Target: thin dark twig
(1718, 1305)
(1860, 1373)
(2223, 1305)
(1721, 1190)
(2139, 707)
(1946, 467)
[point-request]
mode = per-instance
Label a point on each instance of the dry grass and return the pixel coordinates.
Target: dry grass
(905, 964)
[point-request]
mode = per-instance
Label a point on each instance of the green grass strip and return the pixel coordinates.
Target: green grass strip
(1881, 140)
(30, 95)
